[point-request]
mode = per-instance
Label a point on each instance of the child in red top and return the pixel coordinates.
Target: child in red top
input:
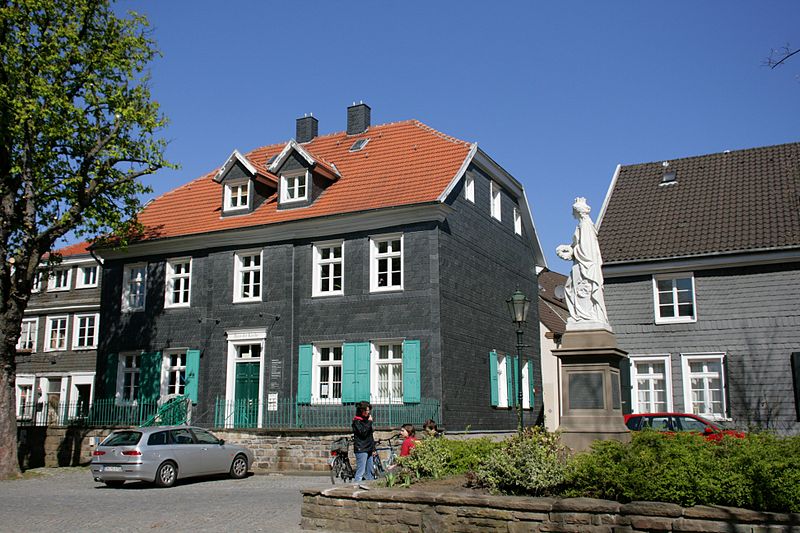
(409, 440)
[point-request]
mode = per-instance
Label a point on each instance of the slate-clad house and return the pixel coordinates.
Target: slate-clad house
(702, 271)
(369, 264)
(57, 349)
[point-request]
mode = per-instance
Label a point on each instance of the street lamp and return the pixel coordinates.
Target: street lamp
(518, 306)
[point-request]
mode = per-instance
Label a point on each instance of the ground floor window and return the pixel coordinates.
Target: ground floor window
(130, 377)
(387, 368)
(651, 383)
(704, 384)
(327, 373)
(174, 379)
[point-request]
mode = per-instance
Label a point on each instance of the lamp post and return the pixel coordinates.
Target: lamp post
(518, 306)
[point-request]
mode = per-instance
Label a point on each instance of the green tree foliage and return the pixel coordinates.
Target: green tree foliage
(77, 129)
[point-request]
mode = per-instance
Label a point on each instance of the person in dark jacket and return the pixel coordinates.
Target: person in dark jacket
(363, 442)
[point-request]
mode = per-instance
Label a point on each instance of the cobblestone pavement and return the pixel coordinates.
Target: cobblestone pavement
(68, 499)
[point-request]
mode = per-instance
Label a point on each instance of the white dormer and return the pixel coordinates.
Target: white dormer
(238, 195)
(295, 186)
(239, 189)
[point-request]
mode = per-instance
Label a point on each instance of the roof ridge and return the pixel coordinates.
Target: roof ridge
(724, 152)
(438, 133)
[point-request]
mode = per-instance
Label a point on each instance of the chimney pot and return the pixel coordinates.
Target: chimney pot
(307, 128)
(358, 118)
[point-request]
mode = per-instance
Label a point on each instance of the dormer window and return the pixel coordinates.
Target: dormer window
(237, 196)
(294, 187)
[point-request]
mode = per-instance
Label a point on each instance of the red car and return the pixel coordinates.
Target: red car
(674, 422)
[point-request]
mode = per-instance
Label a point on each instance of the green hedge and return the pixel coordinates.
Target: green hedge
(439, 457)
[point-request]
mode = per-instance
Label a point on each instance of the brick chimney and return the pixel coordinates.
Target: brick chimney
(357, 118)
(307, 128)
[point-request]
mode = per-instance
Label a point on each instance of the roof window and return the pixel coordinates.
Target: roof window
(359, 144)
(668, 177)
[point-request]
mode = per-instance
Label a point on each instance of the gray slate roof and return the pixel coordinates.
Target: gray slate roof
(553, 312)
(739, 201)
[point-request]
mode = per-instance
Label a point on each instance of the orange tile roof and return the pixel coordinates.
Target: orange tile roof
(404, 163)
(79, 248)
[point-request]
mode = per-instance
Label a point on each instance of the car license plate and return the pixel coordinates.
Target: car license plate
(112, 469)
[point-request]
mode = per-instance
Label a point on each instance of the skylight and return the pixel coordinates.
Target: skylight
(359, 144)
(668, 177)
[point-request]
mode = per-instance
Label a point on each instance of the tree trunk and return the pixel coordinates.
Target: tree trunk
(9, 463)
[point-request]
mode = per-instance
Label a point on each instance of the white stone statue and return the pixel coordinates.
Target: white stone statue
(583, 291)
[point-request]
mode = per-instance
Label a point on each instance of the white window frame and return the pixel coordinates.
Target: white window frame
(469, 188)
(238, 270)
(526, 389)
(126, 295)
(502, 381)
(285, 188)
(394, 361)
(236, 338)
(659, 358)
(79, 281)
(32, 334)
(76, 327)
(49, 332)
(656, 307)
(375, 256)
(44, 397)
(236, 186)
(319, 262)
(25, 380)
(517, 221)
(167, 368)
(54, 276)
(75, 379)
(686, 358)
(36, 285)
(316, 366)
(170, 277)
(122, 370)
(495, 201)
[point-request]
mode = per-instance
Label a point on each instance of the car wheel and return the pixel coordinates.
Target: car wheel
(167, 474)
(114, 484)
(239, 467)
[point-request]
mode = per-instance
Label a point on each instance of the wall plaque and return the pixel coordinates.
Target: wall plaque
(586, 390)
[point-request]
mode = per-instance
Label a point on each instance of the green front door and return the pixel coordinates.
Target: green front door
(246, 405)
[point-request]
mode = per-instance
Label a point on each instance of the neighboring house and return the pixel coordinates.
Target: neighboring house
(57, 348)
(370, 264)
(553, 315)
(702, 273)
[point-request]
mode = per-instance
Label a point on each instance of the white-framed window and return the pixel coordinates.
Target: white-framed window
(247, 276)
(387, 372)
(469, 188)
(328, 269)
(26, 400)
(129, 372)
(37, 281)
(651, 382)
(502, 381)
(134, 284)
(704, 384)
(495, 200)
(517, 222)
(674, 298)
(326, 378)
(178, 284)
(87, 277)
(60, 279)
(386, 263)
(84, 329)
(526, 389)
(237, 195)
(294, 186)
(173, 378)
(28, 334)
(56, 333)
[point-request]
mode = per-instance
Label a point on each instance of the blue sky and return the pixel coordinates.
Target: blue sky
(558, 93)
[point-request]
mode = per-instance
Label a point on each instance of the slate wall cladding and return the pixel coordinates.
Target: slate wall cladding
(482, 262)
(750, 314)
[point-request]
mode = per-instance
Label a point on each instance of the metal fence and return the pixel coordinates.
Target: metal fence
(105, 412)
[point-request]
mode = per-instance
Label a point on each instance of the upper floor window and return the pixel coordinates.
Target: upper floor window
(237, 196)
(247, 276)
(37, 281)
(674, 298)
(178, 282)
(517, 222)
(294, 187)
(386, 263)
(27, 336)
(85, 331)
(387, 371)
(469, 188)
(56, 334)
(328, 269)
(134, 284)
(651, 383)
(87, 277)
(59, 279)
(704, 384)
(327, 373)
(495, 203)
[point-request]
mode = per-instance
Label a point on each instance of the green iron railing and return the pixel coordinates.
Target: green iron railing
(106, 412)
(173, 412)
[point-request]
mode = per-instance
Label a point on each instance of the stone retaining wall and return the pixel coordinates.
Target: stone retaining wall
(406, 510)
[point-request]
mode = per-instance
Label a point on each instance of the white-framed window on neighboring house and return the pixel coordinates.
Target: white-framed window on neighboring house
(134, 285)
(294, 186)
(386, 263)
(56, 333)
(60, 279)
(469, 188)
(28, 334)
(87, 277)
(674, 298)
(517, 222)
(84, 329)
(237, 195)
(81, 393)
(129, 372)
(26, 400)
(326, 375)
(651, 382)
(502, 382)
(37, 281)
(247, 276)
(178, 283)
(173, 379)
(387, 372)
(328, 269)
(495, 200)
(704, 384)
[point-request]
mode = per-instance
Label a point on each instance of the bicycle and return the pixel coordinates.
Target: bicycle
(379, 468)
(340, 461)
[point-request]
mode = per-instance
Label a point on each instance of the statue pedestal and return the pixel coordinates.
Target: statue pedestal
(591, 401)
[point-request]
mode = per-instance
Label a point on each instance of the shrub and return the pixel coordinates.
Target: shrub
(442, 456)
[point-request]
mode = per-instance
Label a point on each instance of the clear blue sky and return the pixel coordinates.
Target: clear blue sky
(558, 93)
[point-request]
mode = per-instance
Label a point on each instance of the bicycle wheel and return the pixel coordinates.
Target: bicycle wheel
(348, 474)
(378, 471)
(336, 469)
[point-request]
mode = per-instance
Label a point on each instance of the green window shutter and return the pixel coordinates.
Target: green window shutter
(150, 377)
(493, 377)
(348, 373)
(510, 380)
(192, 374)
(110, 375)
(531, 384)
(362, 371)
(411, 372)
(306, 358)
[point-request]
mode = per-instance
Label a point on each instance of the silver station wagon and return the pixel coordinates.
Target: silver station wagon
(164, 454)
